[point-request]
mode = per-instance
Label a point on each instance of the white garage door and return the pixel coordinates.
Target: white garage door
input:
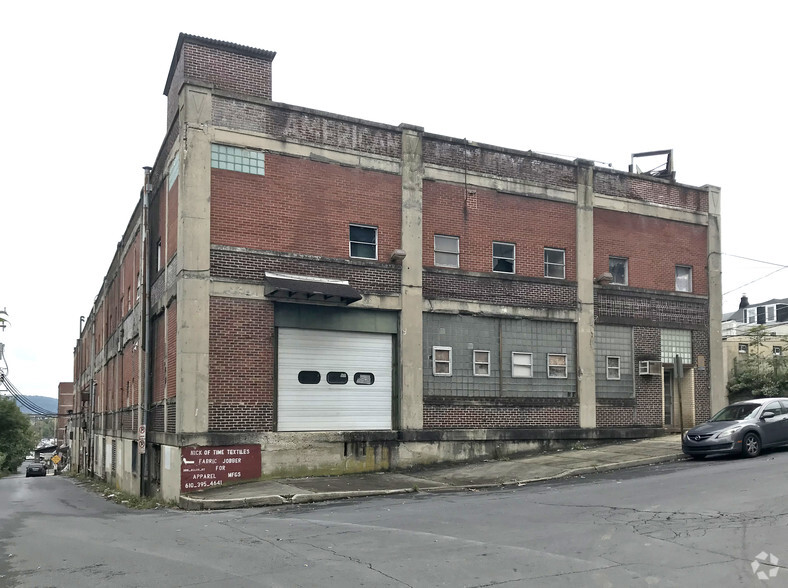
(333, 381)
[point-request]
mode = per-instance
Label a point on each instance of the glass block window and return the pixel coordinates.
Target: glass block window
(676, 342)
(481, 363)
(522, 364)
(744, 348)
(554, 263)
(236, 159)
(556, 365)
(175, 168)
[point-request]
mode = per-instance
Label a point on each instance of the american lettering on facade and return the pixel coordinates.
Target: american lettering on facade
(325, 291)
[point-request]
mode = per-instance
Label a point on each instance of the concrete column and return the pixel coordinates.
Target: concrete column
(194, 247)
(411, 408)
(586, 365)
(717, 377)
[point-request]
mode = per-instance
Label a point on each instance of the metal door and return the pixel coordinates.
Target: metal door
(333, 380)
(667, 393)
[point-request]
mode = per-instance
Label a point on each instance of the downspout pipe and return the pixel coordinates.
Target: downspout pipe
(146, 387)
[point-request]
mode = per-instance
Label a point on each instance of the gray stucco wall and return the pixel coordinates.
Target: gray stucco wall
(499, 336)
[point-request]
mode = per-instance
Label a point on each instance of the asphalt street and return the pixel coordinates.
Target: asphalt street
(717, 522)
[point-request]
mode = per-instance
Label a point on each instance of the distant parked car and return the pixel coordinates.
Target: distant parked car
(742, 428)
(36, 469)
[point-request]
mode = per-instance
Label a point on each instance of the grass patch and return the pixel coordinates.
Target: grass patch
(99, 486)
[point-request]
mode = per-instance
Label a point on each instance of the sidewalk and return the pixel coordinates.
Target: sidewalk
(489, 474)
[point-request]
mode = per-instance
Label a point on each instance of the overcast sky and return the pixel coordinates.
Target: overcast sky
(84, 111)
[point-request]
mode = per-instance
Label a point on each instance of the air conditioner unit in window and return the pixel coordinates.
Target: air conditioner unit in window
(649, 368)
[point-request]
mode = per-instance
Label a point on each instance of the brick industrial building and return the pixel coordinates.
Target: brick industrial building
(311, 293)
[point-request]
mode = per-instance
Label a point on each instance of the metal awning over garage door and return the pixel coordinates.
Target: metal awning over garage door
(333, 380)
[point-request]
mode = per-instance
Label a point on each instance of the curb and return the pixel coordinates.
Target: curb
(191, 503)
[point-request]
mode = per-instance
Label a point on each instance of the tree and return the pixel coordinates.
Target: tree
(44, 428)
(760, 372)
(16, 436)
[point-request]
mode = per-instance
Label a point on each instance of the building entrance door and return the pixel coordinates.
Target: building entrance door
(667, 393)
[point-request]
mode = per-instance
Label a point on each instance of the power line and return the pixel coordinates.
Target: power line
(756, 280)
(780, 265)
(26, 402)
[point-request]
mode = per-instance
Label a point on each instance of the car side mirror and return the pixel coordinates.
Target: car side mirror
(767, 414)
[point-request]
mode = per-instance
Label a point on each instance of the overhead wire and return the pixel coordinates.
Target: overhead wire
(780, 267)
(25, 401)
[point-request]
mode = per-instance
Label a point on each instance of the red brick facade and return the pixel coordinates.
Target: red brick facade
(302, 206)
(485, 216)
(241, 365)
(653, 247)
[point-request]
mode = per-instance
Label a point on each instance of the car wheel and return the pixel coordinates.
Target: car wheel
(751, 445)
(27, 474)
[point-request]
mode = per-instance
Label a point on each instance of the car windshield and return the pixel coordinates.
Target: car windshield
(736, 412)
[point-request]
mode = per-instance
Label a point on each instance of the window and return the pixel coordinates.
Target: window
(503, 257)
(619, 267)
(336, 377)
(613, 367)
(752, 315)
(308, 377)
(522, 364)
(554, 263)
(240, 160)
(363, 242)
(556, 365)
(771, 313)
(744, 348)
(363, 378)
(441, 361)
(447, 251)
(777, 350)
(481, 363)
(158, 255)
(683, 278)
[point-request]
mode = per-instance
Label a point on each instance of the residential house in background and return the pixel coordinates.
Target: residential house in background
(737, 341)
(305, 293)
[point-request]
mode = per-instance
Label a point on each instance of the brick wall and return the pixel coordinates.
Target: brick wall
(241, 376)
(439, 416)
(250, 266)
(530, 223)
(303, 206)
(647, 409)
(700, 346)
(616, 183)
(613, 305)
(224, 67)
(653, 246)
(497, 289)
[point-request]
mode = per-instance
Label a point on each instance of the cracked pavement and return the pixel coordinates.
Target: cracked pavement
(673, 524)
